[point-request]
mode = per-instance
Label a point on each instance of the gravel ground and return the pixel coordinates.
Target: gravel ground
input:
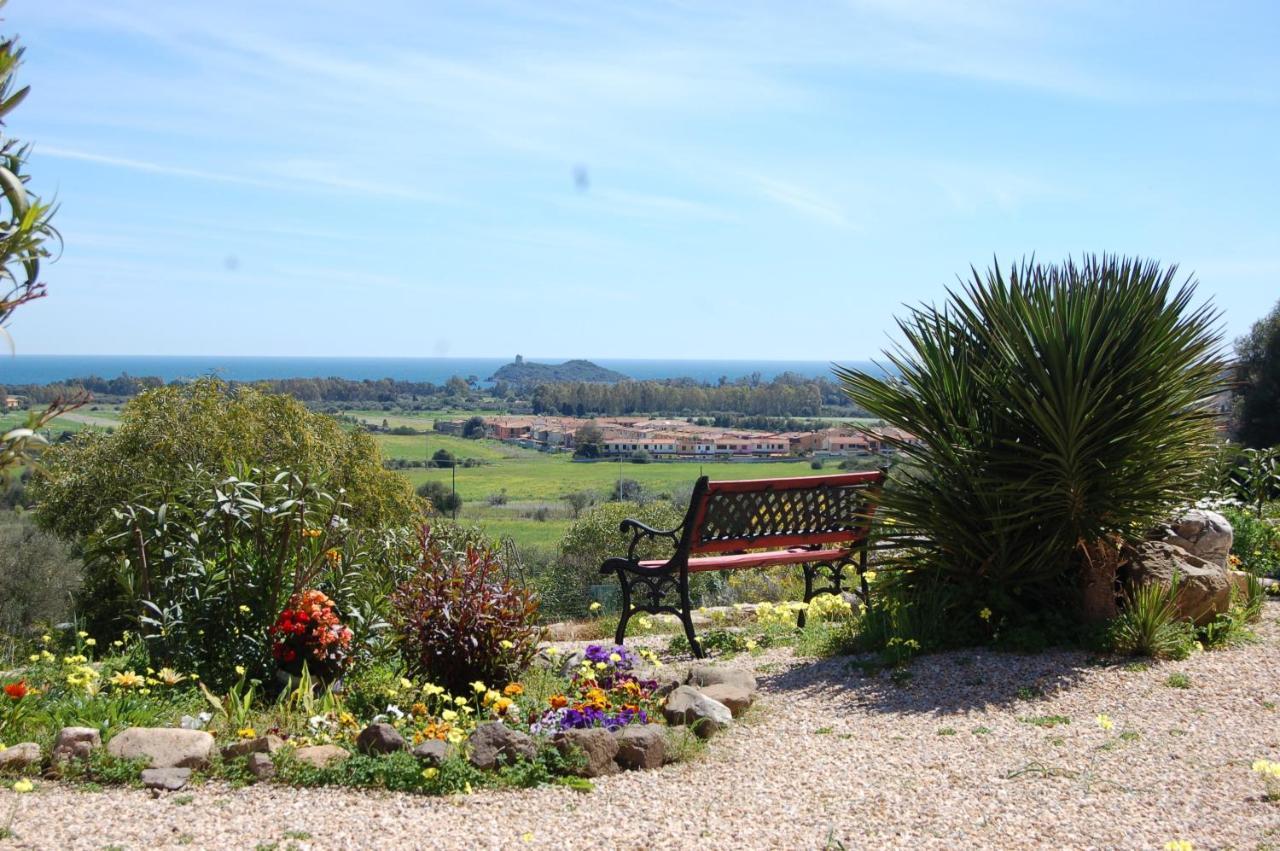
(828, 758)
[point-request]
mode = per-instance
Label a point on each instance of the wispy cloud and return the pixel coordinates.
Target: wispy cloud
(806, 202)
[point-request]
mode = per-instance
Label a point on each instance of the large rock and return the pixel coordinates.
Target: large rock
(641, 746)
(433, 752)
(163, 747)
(1205, 534)
(689, 707)
(597, 744)
(737, 698)
(711, 675)
(166, 779)
(493, 739)
(76, 743)
(380, 738)
(321, 756)
(1204, 588)
(18, 757)
(267, 744)
(261, 766)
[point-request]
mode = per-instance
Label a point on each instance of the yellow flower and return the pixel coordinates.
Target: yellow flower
(449, 715)
(479, 687)
(404, 683)
(459, 701)
(595, 606)
(456, 736)
(91, 642)
(430, 773)
(23, 786)
(526, 837)
(615, 658)
(600, 666)
(34, 657)
(127, 679)
(502, 705)
(46, 638)
(506, 644)
(247, 733)
(240, 670)
(169, 676)
(490, 696)
(870, 576)
(751, 644)
(1105, 722)
(82, 634)
(46, 655)
(244, 610)
(985, 614)
(117, 643)
(1178, 845)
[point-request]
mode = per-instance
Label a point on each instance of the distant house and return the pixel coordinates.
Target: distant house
(13, 403)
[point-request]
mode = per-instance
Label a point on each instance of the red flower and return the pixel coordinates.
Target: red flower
(17, 690)
(290, 654)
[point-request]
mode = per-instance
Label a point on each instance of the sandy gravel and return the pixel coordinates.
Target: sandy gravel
(830, 758)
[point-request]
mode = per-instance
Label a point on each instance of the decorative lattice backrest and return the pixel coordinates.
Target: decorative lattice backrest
(766, 513)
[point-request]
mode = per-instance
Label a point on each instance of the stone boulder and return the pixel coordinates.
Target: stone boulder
(166, 779)
(1204, 588)
(20, 756)
(596, 744)
(163, 747)
(321, 756)
(76, 743)
(267, 744)
(641, 746)
(261, 766)
(691, 708)
(711, 675)
(1205, 534)
(737, 698)
(493, 740)
(433, 752)
(380, 738)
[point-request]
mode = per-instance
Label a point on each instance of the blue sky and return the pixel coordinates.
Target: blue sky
(722, 180)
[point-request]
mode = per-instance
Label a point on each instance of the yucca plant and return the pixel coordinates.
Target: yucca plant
(1150, 625)
(1053, 412)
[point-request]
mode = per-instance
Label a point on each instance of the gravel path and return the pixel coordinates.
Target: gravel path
(830, 758)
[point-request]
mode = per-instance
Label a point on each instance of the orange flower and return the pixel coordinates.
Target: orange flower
(558, 701)
(17, 690)
(513, 690)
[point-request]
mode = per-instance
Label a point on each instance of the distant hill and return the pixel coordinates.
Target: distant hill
(523, 372)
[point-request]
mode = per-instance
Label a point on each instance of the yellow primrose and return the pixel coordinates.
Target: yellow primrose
(404, 683)
(449, 715)
(430, 773)
(23, 786)
(34, 657)
(985, 614)
(91, 642)
(1179, 845)
(244, 610)
(240, 670)
(478, 687)
(615, 658)
(82, 634)
(1105, 722)
(506, 644)
(595, 606)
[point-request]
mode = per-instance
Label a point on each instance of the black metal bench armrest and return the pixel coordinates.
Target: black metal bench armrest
(640, 532)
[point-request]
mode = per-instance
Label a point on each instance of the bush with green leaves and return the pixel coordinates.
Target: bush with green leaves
(207, 424)
(203, 568)
(1255, 542)
(1150, 626)
(39, 577)
(460, 618)
(566, 586)
(1053, 412)
(1258, 383)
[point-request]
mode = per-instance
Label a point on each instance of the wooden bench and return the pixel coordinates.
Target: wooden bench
(820, 522)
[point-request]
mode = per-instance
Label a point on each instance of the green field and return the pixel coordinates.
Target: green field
(535, 480)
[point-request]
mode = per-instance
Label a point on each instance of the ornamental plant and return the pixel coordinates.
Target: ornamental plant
(308, 633)
(460, 619)
(1048, 415)
(604, 692)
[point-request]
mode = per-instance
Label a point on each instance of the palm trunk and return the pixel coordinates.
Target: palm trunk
(1098, 563)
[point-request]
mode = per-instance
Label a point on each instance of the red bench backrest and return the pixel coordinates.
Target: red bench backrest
(775, 513)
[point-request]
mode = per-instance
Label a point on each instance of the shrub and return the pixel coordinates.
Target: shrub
(1258, 371)
(588, 542)
(1149, 625)
(1052, 411)
(203, 571)
(1256, 545)
(39, 576)
(166, 432)
(459, 619)
(440, 495)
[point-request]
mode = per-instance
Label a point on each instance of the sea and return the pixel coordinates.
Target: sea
(47, 369)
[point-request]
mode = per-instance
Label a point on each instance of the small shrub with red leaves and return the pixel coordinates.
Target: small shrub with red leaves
(461, 619)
